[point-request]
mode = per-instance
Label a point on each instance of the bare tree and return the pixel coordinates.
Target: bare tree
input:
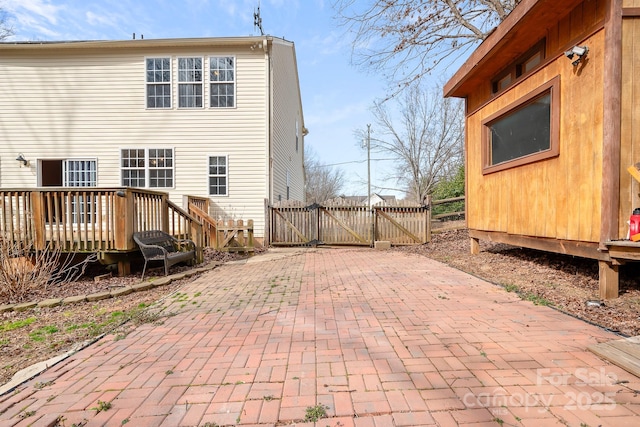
(425, 138)
(6, 30)
(409, 38)
(322, 182)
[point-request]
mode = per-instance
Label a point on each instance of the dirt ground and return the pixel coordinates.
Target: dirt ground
(567, 283)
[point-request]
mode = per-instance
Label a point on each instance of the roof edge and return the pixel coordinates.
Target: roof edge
(523, 8)
(168, 42)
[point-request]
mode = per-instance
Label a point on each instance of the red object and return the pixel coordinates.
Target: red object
(634, 223)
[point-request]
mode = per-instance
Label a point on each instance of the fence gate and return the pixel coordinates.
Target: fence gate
(348, 225)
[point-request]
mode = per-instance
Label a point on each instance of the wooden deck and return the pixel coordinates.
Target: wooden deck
(92, 220)
(624, 353)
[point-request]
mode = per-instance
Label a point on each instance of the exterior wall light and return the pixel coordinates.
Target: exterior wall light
(22, 160)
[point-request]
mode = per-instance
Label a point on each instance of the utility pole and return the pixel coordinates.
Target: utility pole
(369, 164)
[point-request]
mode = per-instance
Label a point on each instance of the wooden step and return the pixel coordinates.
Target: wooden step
(624, 353)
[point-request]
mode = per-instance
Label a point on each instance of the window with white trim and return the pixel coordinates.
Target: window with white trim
(218, 176)
(222, 77)
(190, 83)
(147, 167)
(158, 82)
(79, 173)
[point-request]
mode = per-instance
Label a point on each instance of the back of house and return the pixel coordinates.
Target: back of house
(215, 118)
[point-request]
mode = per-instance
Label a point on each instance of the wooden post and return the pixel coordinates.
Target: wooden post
(609, 279)
(428, 215)
(124, 212)
(165, 213)
(475, 245)
(250, 242)
(240, 235)
(37, 206)
(610, 196)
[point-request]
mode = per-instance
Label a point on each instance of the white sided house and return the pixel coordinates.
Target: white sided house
(219, 118)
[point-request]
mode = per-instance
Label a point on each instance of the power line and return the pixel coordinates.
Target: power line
(353, 161)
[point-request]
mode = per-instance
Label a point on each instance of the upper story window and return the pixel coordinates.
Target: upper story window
(158, 82)
(190, 82)
(147, 168)
(523, 66)
(525, 131)
(222, 77)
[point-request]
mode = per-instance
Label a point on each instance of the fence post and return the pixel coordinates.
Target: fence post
(427, 215)
(250, 242)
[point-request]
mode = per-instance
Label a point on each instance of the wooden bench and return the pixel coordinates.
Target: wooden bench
(157, 245)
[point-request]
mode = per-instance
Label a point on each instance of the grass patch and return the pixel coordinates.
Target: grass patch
(314, 413)
(40, 334)
(528, 296)
(12, 326)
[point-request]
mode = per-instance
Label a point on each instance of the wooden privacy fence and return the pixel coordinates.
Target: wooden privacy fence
(348, 225)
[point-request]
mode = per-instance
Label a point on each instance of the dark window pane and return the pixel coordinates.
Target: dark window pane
(522, 132)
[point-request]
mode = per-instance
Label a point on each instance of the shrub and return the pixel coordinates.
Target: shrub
(23, 270)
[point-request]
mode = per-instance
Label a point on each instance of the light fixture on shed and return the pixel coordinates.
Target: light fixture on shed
(22, 160)
(578, 52)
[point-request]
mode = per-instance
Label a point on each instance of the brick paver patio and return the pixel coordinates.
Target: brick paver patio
(373, 338)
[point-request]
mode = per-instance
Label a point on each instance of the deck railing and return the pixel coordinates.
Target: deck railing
(90, 219)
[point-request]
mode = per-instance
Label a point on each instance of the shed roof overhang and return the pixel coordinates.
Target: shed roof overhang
(525, 25)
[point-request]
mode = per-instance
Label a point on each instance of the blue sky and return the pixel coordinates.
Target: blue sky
(336, 96)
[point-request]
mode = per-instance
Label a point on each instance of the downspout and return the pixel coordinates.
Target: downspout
(269, 130)
(610, 198)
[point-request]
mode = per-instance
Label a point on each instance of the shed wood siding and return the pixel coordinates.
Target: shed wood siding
(587, 17)
(287, 109)
(62, 103)
(559, 197)
(630, 128)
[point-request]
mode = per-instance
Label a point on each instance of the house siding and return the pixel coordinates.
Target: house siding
(90, 103)
(287, 109)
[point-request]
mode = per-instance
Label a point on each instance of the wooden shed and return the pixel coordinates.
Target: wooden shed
(552, 129)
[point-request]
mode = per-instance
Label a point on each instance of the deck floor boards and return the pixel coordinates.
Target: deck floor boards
(624, 353)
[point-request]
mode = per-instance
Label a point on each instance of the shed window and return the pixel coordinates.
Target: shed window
(524, 65)
(525, 131)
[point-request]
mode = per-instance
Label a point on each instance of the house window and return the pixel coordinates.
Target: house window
(158, 83)
(222, 78)
(147, 168)
(160, 168)
(79, 173)
(297, 134)
(190, 82)
(525, 131)
(218, 174)
(524, 65)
